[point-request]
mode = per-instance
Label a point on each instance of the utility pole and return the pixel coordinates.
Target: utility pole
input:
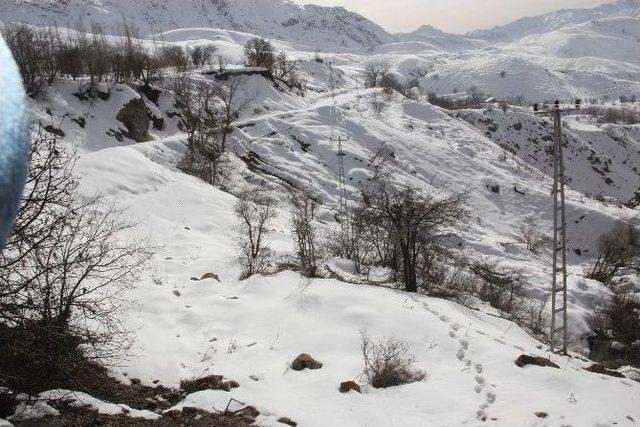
(342, 184)
(558, 335)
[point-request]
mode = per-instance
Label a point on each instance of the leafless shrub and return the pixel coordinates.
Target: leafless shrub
(63, 271)
(287, 71)
(618, 318)
(613, 114)
(254, 213)
(379, 104)
(501, 288)
(532, 237)
(303, 227)
(387, 363)
(615, 250)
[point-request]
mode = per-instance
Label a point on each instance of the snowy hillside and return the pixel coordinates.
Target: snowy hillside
(592, 151)
(193, 315)
(555, 20)
(317, 27)
(250, 331)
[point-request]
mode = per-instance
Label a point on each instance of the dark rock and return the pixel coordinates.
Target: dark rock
(158, 122)
(81, 121)
(210, 276)
(347, 386)
(103, 95)
(305, 361)
(190, 410)
(251, 411)
(211, 382)
(599, 369)
(541, 414)
(287, 421)
(526, 359)
(54, 130)
(137, 119)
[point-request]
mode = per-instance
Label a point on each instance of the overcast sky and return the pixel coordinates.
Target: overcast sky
(456, 16)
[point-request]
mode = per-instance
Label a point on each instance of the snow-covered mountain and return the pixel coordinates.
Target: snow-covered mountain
(438, 38)
(315, 26)
(555, 20)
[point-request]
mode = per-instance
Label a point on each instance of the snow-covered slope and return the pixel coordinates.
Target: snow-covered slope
(600, 161)
(555, 20)
(315, 26)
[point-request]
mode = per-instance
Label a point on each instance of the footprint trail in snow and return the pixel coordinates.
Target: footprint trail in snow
(479, 380)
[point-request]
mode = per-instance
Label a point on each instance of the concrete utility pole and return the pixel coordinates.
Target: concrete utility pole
(558, 334)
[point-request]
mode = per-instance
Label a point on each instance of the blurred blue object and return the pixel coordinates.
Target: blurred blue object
(14, 140)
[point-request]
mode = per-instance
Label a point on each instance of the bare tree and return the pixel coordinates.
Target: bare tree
(235, 98)
(62, 272)
(203, 118)
(303, 227)
(413, 222)
(173, 56)
(254, 213)
(260, 53)
(34, 51)
(374, 73)
(202, 55)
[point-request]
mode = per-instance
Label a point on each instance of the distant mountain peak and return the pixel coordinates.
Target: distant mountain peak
(315, 26)
(554, 20)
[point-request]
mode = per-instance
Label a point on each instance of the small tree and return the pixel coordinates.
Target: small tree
(173, 56)
(254, 213)
(374, 73)
(304, 232)
(202, 55)
(412, 221)
(260, 53)
(235, 99)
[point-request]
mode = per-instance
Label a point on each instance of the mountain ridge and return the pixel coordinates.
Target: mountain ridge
(311, 25)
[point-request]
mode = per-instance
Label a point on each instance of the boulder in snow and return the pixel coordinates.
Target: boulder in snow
(525, 359)
(137, 119)
(347, 386)
(305, 361)
(600, 369)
